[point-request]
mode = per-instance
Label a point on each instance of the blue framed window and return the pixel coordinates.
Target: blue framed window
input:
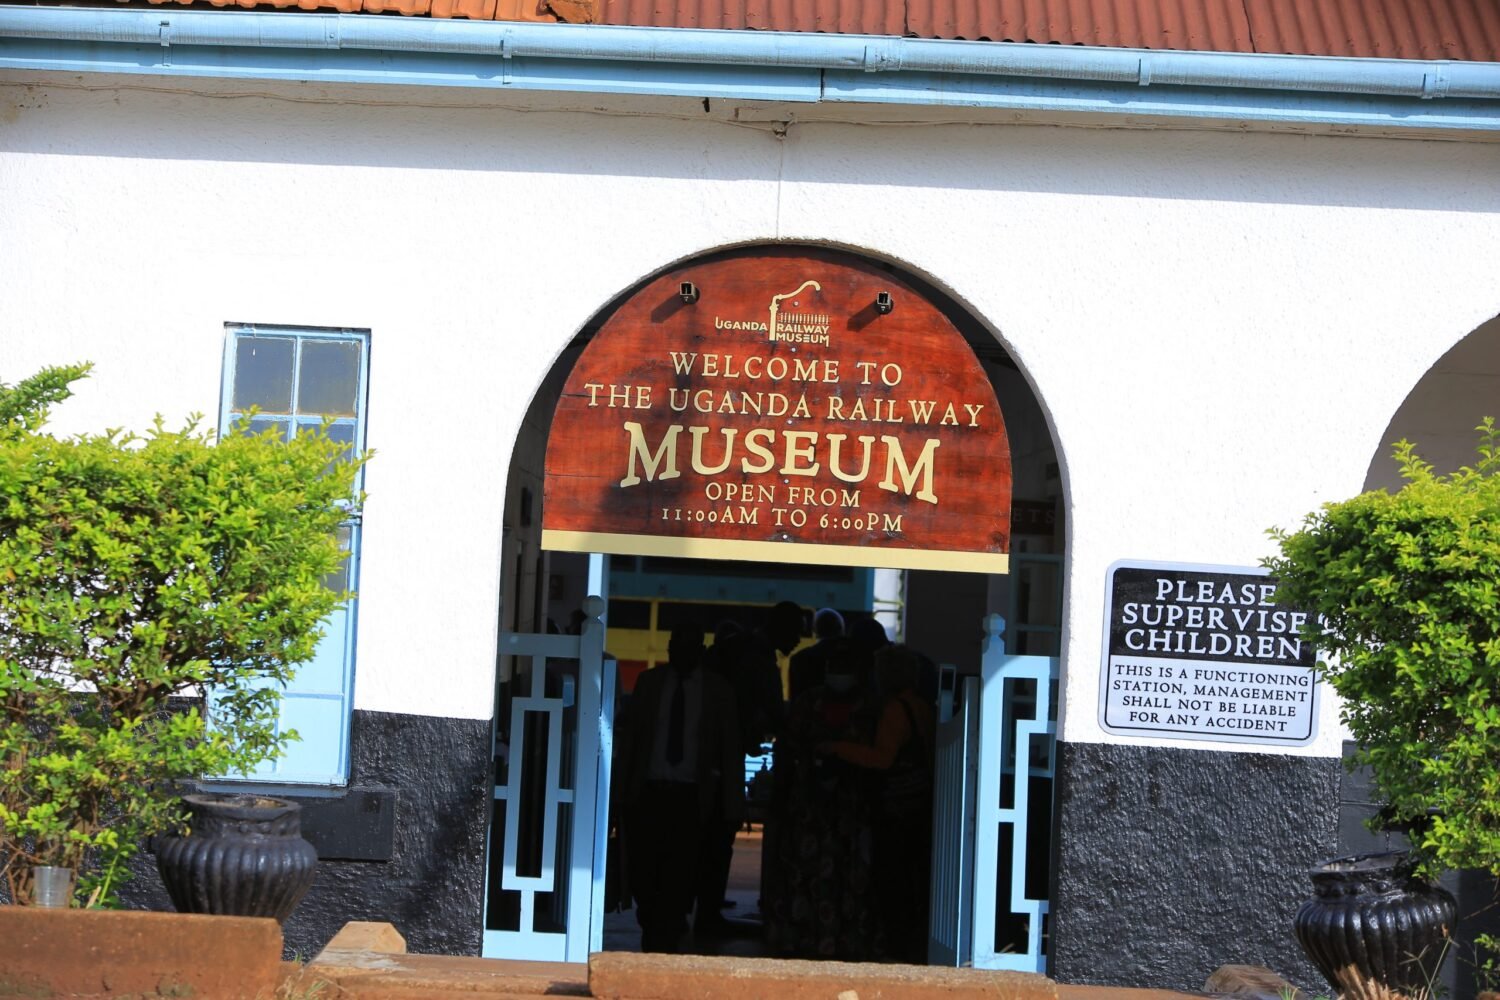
(295, 378)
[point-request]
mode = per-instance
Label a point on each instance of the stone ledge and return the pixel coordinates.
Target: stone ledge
(1090, 992)
(89, 953)
(368, 959)
(367, 935)
(625, 976)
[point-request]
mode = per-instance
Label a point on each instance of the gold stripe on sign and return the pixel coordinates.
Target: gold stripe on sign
(782, 552)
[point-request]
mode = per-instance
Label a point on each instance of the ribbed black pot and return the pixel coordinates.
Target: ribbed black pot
(1372, 928)
(243, 856)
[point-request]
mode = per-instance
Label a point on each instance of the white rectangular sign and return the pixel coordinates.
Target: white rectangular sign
(1202, 652)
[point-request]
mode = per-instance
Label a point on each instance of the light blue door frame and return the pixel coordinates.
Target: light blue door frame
(560, 894)
(951, 938)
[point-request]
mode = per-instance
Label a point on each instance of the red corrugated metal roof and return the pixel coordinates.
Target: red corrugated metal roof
(1391, 29)
(1397, 29)
(855, 17)
(1147, 24)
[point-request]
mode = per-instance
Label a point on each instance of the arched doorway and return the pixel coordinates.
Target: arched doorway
(1441, 411)
(939, 505)
(1439, 417)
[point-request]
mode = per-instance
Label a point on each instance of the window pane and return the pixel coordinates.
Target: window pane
(259, 425)
(338, 580)
(263, 374)
(329, 381)
(342, 433)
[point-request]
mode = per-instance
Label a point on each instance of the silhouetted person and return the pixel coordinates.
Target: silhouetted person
(748, 662)
(785, 626)
(809, 665)
(820, 897)
(901, 753)
(869, 634)
(680, 774)
(784, 629)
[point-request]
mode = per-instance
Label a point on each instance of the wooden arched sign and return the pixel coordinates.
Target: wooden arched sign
(782, 406)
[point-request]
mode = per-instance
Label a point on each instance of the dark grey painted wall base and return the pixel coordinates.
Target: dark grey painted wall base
(1171, 863)
(419, 787)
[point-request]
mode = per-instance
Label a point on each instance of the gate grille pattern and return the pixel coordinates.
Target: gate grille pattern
(1017, 734)
(544, 891)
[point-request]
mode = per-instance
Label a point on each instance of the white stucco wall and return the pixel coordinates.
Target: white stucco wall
(1220, 326)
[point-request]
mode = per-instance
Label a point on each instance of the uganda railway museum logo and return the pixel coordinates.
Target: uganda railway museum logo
(792, 327)
(1205, 653)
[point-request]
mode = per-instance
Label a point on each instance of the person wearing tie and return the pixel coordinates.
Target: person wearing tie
(679, 769)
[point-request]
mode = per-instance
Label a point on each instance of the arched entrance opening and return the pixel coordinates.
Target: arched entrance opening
(1441, 411)
(1439, 417)
(757, 426)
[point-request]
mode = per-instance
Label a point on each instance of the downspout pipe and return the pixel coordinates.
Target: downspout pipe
(1421, 79)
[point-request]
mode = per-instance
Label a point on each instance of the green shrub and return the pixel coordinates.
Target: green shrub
(1405, 588)
(136, 573)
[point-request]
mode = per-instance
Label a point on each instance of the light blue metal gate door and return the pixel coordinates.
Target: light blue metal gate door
(544, 895)
(1012, 848)
(992, 810)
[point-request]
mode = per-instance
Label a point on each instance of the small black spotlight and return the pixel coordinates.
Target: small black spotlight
(688, 291)
(883, 303)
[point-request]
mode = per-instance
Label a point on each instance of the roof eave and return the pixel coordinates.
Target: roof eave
(755, 65)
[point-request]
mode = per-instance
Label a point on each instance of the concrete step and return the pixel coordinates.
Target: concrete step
(368, 961)
(627, 976)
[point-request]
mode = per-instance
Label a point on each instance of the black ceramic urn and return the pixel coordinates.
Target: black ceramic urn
(1372, 928)
(243, 856)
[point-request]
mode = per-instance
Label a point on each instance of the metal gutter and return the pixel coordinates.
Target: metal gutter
(751, 65)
